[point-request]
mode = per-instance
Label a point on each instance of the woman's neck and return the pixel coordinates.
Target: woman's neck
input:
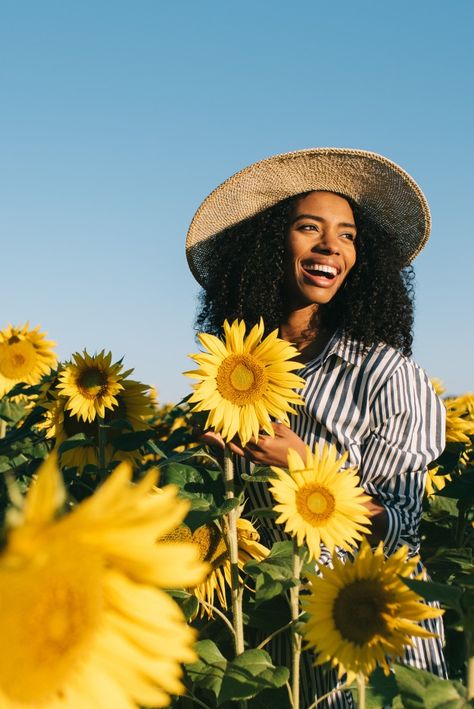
(301, 327)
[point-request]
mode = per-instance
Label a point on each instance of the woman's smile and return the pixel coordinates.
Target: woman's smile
(320, 272)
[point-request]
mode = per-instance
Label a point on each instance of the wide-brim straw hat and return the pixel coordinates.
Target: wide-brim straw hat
(382, 189)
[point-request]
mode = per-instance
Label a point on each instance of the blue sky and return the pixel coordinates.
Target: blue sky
(117, 118)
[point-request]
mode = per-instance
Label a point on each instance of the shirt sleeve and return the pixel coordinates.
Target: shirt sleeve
(407, 432)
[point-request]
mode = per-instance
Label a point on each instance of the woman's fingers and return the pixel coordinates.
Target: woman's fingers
(236, 447)
(212, 439)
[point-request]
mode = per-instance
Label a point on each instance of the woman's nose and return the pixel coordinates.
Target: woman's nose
(327, 243)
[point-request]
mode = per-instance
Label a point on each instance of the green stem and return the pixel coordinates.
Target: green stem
(360, 681)
(3, 428)
(233, 546)
(232, 543)
(102, 440)
(295, 637)
(470, 665)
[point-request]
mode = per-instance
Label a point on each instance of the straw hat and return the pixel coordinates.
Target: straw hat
(380, 187)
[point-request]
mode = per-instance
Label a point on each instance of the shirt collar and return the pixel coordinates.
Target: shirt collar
(347, 349)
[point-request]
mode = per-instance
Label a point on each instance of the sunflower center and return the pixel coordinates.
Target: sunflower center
(180, 534)
(315, 503)
(92, 382)
(17, 360)
(241, 379)
(211, 545)
(360, 611)
(49, 613)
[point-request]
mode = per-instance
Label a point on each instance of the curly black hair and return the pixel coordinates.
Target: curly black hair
(246, 281)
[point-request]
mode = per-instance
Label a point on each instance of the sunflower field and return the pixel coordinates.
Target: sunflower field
(135, 572)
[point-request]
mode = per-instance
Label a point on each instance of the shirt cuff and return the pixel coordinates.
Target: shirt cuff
(394, 528)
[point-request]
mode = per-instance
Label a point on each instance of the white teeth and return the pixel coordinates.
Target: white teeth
(321, 267)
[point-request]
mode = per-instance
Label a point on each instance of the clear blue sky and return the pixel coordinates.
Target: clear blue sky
(117, 118)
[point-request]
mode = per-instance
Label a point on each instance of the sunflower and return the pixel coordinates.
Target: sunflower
(133, 408)
(25, 356)
(245, 380)
(85, 622)
(213, 550)
(319, 502)
(134, 405)
(459, 418)
(459, 414)
(361, 612)
(91, 384)
(467, 400)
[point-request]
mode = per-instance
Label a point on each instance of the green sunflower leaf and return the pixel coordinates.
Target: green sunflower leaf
(250, 673)
(78, 441)
(132, 441)
(423, 690)
(208, 671)
(433, 591)
(274, 575)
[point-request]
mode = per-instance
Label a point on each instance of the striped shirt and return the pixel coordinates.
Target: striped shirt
(380, 407)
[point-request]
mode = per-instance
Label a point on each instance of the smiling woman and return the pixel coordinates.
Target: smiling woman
(320, 248)
(318, 243)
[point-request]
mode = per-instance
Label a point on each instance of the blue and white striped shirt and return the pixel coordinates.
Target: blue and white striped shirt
(381, 408)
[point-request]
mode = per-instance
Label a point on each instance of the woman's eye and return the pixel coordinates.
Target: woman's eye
(309, 227)
(349, 236)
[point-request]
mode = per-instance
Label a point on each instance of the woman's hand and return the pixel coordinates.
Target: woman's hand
(264, 451)
(271, 451)
(378, 517)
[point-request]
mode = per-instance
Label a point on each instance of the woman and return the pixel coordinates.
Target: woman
(318, 243)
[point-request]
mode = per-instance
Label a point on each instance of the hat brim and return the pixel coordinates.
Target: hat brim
(379, 186)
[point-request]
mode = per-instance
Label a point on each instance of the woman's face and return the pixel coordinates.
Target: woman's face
(320, 249)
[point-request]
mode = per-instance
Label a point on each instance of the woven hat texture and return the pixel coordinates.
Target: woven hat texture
(382, 189)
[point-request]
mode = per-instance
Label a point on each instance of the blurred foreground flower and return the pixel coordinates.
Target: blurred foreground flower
(320, 502)
(91, 384)
(245, 380)
(24, 356)
(361, 613)
(213, 550)
(85, 622)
